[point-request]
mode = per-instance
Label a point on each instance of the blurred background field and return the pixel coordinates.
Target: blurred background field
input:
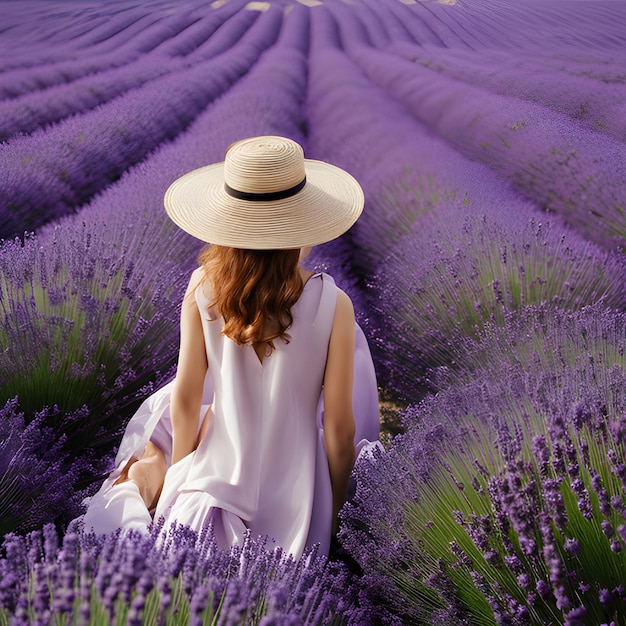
(487, 272)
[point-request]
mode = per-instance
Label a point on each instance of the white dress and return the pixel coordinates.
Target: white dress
(262, 465)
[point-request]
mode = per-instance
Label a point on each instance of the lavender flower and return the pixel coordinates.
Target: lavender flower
(576, 616)
(571, 545)
(245, 582)
(583, 498)
(433, 283)
(37, 478)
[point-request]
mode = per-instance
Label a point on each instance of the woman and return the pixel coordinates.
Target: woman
(257, 431)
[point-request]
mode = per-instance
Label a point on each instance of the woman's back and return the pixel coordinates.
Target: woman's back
(258, 457)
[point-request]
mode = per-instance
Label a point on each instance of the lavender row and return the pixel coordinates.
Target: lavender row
(57, 169)
(40, 108)
(176, 33)
(491, 25)
(457, 272)
(229, 32)
(184, 579)
(26, 31)
(505, 497)
(531, 27)
(600, 105)
(37, 109)
(382, 27)
(103, 30)
(19, 81)
(201, 30)
(553, 160)
(405, 170)
(86, 32)
(492, 28)
(145, 37)
(145, 34)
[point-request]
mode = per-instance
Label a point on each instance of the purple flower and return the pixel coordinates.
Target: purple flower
(605, 596)
(617, 428)
(584, 503)
(493, 558)
(618, 466)
(572, 546)
(607, 528)
(542, 454)
(601, 492)
(543, 589)
(576, 616)
(554, 500)
(618, 504)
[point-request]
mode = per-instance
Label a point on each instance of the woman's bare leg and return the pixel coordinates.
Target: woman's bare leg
(147, 472)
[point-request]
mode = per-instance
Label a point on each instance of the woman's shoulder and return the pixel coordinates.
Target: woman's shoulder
(196, 279)
(197, 276)
(199, 285)
(344, 309)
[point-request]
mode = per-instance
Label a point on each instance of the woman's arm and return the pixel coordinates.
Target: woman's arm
(339, 425)
(192, 367)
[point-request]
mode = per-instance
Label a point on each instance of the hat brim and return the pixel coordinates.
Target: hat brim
(326, 207)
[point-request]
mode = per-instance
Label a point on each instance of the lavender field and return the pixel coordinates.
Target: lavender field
(487, 271)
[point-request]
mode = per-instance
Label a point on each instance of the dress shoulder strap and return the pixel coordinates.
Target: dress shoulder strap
(328, 302)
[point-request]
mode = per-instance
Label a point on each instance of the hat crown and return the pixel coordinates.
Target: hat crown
(264, 165)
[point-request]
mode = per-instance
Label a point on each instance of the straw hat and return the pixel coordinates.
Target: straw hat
(264, 196)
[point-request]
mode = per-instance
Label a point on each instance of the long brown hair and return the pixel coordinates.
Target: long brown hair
(253, 291)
